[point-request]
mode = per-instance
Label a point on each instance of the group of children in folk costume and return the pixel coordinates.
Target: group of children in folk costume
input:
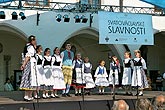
(134, 73)
(82, 76)
(41, 73)
(45, 73)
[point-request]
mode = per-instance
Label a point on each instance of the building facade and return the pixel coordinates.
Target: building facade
(84, 37)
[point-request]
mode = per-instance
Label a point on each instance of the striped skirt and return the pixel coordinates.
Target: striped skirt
(26, 78)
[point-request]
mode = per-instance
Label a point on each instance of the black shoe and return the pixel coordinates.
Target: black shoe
(64, 95)
(68, 95)
(89, 93)
(56, 96)
(76, 94)
(79, 94)
(126, 93)
(140, 94)
(25, 99)
(37, 97)
(130, 94)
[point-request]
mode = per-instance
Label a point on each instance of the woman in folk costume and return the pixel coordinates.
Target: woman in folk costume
(47, 74)
(57, 74)
(79, 75)
(127, 73)
(39, 71)
(101, 77)
(87, 69)
(114, 71)
(139, 78)
(29, 62)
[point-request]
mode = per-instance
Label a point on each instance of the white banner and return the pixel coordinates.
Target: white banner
(125, 28)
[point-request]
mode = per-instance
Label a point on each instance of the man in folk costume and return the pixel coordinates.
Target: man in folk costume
(67, 68)
(29, 62)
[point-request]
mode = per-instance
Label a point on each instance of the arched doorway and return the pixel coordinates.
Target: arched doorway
(12, 41)
(86, 41)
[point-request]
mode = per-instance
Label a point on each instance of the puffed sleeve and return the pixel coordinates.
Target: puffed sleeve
(111, 66)
(143, 63)
(123, 64)
(74, 62)
(105, 72)
(96, 72)
(119, 69)
(72, 55)
(30, 51)
(62, 55)
(43, 61)
(132, 64)
(83, 67)
(90, 66)
(53, 60)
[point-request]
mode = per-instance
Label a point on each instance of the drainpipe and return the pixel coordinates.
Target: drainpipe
(121, 5)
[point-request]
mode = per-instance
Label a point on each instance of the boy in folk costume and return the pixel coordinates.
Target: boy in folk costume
(87, 69)
(127, 73)
(114, 71)
(101, 77)
(58, 77)
(139, 78)
(67, 68)
(29, 62)
(79, 75)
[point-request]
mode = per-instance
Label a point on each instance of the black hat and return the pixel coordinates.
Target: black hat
(32, 37)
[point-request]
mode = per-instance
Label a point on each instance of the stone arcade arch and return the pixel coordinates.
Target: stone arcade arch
(86, 41)
(12, 41)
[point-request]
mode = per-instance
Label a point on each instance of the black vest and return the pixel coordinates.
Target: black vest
(127, 64)
(137, 63)
(39, 61)
(46, 62)
(56, 63)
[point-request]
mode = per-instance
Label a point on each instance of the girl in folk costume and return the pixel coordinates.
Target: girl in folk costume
(39, 71)
(127, 73)
(47, 74)
(114, 71)
(87, 69)
(29, 62)
(139, 78)
(79, 75)
(57, 74)
(101, 77)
